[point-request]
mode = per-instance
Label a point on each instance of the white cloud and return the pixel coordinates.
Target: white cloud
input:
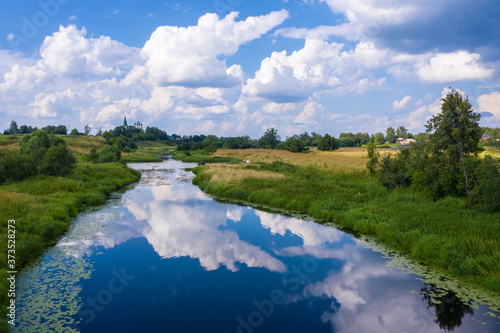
(279, 108)
(366, 18)
(307, 116)
(68, 54)
(318, 65)
(10, 37)
(452, 67)
(149, 15)
(322, 32)
(73, 17)
(190, 56)
(417, 119)
(402, 103)
(490, 103)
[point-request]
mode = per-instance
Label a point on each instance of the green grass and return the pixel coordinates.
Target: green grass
(43, 207)
(151, 153)
(201, 156)
(447, 234)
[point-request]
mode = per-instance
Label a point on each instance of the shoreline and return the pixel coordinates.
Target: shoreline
(363, 218)
(43, 208)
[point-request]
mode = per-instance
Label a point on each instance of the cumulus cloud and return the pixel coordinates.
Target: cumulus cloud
(417, 119)
(318, 65)
(402, 103)
(69, 54)
(490, 103)
(307, 116)
(190, 56)
(452, 67)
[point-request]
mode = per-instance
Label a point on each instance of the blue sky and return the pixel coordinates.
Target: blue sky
(238, 67)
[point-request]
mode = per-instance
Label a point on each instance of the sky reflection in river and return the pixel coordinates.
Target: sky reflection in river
(181, 262)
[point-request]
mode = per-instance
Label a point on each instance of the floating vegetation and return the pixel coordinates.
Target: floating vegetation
(48, 293)
(442, 284)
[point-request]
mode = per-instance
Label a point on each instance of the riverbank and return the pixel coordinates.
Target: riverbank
(43, 206)
(334, 186)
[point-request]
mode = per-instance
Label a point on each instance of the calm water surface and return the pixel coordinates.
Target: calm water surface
(164, 257)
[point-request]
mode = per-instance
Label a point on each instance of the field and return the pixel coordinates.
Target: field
(335, 186)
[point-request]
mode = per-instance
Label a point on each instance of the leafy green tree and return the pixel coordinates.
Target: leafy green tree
(87, 129)
(13, 127)
(49, 153)
(36, 144)
(373, 155)
(454, 138)
(379, 138)
(270, 138)
(293, 144)
(402, 132)
(74, 131)
(390, 135)
(328, 143)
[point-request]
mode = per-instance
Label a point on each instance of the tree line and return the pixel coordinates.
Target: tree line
(448, 162)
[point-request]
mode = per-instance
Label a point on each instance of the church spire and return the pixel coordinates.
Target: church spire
(125, 121)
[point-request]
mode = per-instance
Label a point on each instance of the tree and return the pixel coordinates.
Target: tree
(99, 132)
(379, 138)
(74, 131)
(402, 132)
(328, 143)
(57, 161)
(13, 127)
(390, 135)
(109, 154)
(87, 129)
(270, 138)
(49, 153)
(455, 134)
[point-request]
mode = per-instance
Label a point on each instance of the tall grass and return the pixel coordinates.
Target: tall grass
(43, 207)
(447, 233)
(201, 156)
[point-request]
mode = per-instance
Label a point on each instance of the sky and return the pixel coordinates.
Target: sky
(239, 67)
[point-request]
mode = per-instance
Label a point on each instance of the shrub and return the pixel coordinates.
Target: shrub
(109, 154)
(57, 161)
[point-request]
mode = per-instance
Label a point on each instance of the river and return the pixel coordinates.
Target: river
(164, 257)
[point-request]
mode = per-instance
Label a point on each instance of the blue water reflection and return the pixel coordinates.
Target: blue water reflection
(165, 257)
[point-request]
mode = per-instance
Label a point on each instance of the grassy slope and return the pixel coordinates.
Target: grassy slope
(43, 206)
(447, 234)
(148, 152)
(201, 156)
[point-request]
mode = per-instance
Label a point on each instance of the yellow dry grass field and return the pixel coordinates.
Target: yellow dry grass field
(232, 173)
(342, 160)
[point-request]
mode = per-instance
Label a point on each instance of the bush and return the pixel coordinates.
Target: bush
(57, 161)
(109, 154)
(40, 153)
(15, 167)
(487, 190)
